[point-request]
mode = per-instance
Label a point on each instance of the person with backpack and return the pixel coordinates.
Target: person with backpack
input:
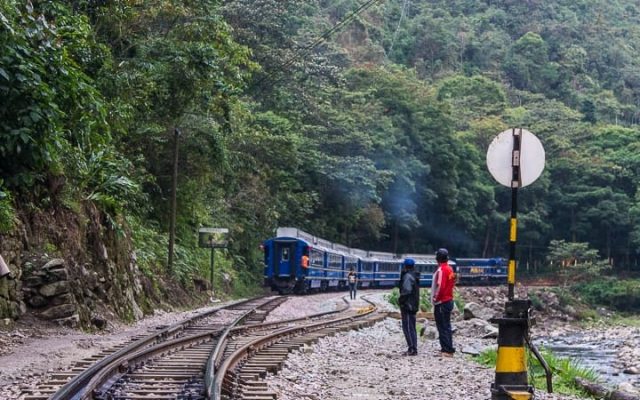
(409, 302)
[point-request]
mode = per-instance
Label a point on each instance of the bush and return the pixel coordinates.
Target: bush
(425, 301)
(619, 295)
(393, 297)
(7, 213)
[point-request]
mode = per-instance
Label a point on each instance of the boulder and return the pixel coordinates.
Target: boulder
(475, 310)
(632, 371)
(54, 289)
(52, 264)
(58, 312)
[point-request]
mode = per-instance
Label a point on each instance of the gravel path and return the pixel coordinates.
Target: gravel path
(368, 364)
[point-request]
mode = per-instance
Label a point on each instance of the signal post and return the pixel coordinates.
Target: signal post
(515, 159)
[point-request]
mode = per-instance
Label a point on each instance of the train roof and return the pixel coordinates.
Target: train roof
(421, 258)
(316, 242)
(300, 234)
(380, 255)
(479, 261)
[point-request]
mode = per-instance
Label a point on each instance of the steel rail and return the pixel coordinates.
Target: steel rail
(120, 366)
(215, 358)
(263, 341)
(73, 390)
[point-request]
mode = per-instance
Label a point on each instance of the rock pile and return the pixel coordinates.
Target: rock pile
(47, 290)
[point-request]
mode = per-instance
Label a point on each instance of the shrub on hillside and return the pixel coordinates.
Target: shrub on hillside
(619, 295)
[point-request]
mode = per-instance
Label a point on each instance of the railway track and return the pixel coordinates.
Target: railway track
(201, 358)
(70, 384)
(251, 354)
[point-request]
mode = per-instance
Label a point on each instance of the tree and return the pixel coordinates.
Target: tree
(575, 261)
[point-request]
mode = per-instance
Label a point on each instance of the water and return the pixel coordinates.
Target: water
(599, 355)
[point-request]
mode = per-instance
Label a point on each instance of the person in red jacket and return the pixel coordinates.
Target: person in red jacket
(444, 280)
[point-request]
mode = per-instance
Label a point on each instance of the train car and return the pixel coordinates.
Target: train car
(296, 261)
(284, 270)
(481, 271)
(366, 268)
(387, 269)
(426, 265)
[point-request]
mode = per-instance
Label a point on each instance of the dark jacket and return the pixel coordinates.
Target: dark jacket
(409, 299)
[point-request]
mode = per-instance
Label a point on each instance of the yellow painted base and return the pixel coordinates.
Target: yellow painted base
(511, 360)
(520, 395)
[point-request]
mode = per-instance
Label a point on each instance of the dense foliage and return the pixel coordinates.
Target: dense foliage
(374, 137)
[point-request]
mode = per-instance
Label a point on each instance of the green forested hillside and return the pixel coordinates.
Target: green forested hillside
(374, 137)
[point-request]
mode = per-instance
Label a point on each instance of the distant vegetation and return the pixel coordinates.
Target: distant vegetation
(617, 295)
(375, 138)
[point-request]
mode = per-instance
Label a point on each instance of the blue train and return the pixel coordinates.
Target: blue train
(481, 271)
(329, 264)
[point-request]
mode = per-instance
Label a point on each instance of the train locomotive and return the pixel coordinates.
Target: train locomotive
(481, 271)
(298, 262)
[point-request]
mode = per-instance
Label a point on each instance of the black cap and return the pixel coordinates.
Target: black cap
(442, 255)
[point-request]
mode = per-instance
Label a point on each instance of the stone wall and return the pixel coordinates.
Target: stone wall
(70, 268)
(11, 299)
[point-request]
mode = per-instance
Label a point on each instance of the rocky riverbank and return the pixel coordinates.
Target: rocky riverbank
(368, 364)
(558, 323)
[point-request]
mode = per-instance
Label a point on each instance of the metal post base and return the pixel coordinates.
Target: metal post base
(512, 393)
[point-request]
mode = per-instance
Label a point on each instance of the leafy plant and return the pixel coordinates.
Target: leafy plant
(7, 212)
(564, 371)
(619, 295)
(458, 301)
(393, 297)
(425, 300)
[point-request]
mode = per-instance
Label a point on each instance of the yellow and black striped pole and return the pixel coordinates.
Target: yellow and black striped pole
(515, 184)
(511, 381)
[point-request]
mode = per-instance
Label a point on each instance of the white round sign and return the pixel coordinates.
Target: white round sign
(500, 153)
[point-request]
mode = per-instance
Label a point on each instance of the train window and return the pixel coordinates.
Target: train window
(316, 257)
(388, 267)
(285, 254)
(335, 261)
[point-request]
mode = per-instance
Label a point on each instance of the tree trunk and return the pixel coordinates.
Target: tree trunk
(487, 236)
(395, 237)
(609, 246)
(573, 225)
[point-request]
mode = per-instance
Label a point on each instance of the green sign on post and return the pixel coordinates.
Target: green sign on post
(213, 238)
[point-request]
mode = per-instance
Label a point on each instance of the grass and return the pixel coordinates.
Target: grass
(425, 303)
(564, 370)
(632, 321)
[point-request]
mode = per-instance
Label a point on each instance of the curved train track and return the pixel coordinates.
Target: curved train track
(202, 358)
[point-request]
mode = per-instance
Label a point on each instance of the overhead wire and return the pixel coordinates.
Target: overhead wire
(403, 12)
(304, 51)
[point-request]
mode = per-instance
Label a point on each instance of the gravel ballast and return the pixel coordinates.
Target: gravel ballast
(368, 364)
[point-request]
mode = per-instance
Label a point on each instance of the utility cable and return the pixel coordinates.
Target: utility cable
(304, 51)
(403, 12)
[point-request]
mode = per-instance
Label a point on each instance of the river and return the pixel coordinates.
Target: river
(601, 355)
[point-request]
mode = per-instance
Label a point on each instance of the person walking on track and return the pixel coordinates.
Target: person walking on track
(352, 278)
